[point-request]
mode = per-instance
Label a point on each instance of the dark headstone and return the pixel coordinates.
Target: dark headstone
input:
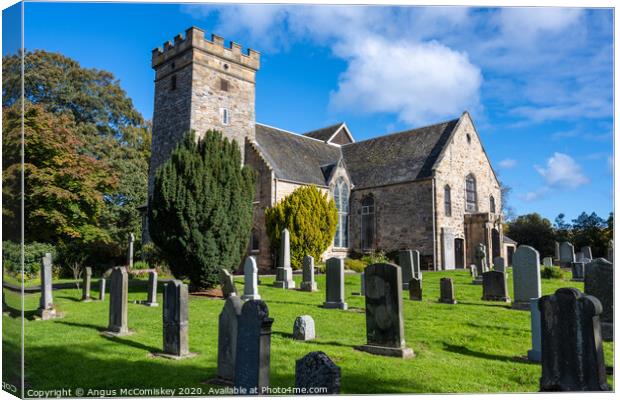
(480, 256)
(316, 370)
(599, 282)
(118, 302)
(415, 289)
(586, 252)
(308, 284)
(446, 291)
(253, 347)
(499, 264)
(578, 270)
(405, 261)
(227, 339)
(572, 349)
(534, 353)
(176, 337)
(494, 286)
(334, 284)
(567, 254)
(86, 278)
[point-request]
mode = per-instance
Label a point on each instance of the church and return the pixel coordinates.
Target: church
(430, 189)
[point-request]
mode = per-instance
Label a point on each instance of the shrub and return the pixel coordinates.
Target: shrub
(356, 265)
(551, 273)
(141, 265)
(201, 210)
(11, 257)
(311, 219)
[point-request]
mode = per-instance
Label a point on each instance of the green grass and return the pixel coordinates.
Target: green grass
(473, 346)
(15, 280)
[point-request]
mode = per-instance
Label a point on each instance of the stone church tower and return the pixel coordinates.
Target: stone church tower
(201, 84)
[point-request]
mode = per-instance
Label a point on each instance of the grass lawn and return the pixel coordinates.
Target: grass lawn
(473, 346)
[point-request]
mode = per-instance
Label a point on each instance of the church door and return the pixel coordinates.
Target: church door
(459, 253)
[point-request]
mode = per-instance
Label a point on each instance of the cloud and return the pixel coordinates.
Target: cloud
(524, 24)
(535, 195)
(562, 172)
(507, 163)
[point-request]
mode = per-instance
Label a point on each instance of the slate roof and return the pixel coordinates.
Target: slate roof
(508, 240)
(398, 157)
(295, 157)
(324, 133)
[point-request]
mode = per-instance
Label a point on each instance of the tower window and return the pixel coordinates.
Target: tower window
(225, 116)
(173, 82)
(224, 85)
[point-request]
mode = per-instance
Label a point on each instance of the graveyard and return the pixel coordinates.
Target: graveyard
(473, 346)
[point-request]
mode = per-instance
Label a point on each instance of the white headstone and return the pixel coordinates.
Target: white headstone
(250, 285)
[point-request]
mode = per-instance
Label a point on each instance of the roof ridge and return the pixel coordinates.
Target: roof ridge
(290, 132)
(323, 128)
(401, 132)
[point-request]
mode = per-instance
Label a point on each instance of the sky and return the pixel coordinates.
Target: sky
(538, 82)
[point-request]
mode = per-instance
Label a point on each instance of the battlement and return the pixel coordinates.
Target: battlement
(195, 38)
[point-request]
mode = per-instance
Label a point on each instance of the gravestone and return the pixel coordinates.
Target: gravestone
(447, 246)
(556, 254)
(227, 283)
(473, 271)
(415, 289)
(586, 252)
(417, 270)
(534, 353)
(610, 251)
(176, 325)
(599, 282)
(284, 272)
(227, 339)
(567, 254)
(334, 284)
(303, 328)
(130, 241)
(151, 291)
(446, 291)
(548, 262)
(579, 256)
(86, 278)
(317, 370)
(578, 271)
(494, 286)
(118, 302)
(363, 284)
(308, 284)
(250, 281)
(253, 347)
(480, 255)
(525, 276)
(405, 261)
(499, 265)
(385, 332)
(46, 308)
(102, 289)
(572, 351)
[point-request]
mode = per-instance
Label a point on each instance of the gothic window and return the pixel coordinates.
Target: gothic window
(225, 116)
(470, 193)
(368, 223)
(341, 198)
(492, 201)
(447, 201)
(255, 240)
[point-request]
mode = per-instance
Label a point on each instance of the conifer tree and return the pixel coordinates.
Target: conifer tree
(200, 214)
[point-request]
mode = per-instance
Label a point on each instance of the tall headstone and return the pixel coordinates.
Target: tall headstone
(151, 295)
(610, 251)
(227, 339)
(317, 370)
(130, 241)
(572, 350)
(303, 328)
(308, 284)
(363, 284)
(334, 285)
(567, 254)
(284, 272)
(253, 347)
(417, 270)
(250, 281)
(415, 289)
(578, 270)
(473, 270)
(499, 264)
(446, 291)
(480, 255)
(525, 276)
(405, 261)
(175, 318)
(579, 256)
(46, 303)
(227, 283)
(556, 254)
(87, 274)
(447, 246)
(534, 353)
(586, 252)
(102, 289)
(599, 282)
(494, 286)
(118, 302)
(548, 262)
(385, 332)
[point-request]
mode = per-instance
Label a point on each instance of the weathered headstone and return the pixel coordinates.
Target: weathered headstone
(250, 281)
(385, 332)
(151, 295)
(176, 335)
(586, 252)
(334, 284)
(556, 254)
(227, 283)
(303, 328)
(415, 289)
(572, 351)
(499, 264)
(473, 271)
(417, 270)
(284, 272)
(578, 271)
(579, 256)
(227, 339)
(317, 370)
(405, 261)
(87, 274)
(599, 282)
(363, 284)
(480, 255)
(118, 302)
(253, 347)
(46, 308)
(308, 284)
(102, 289)
(610, 251)
(567, 254)
(525, 276)
(446, 291)
(534, 353)
(130, 241)
(548, 262)
(447, 246)
(494, 286)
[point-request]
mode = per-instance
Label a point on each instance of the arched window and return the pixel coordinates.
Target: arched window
(447, 201)
(341, 198)
(255, 240)
(470, 193)
(368, 223)
(492, 205)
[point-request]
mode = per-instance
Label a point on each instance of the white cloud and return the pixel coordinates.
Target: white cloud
(524, 24)
(562, 172)
(535, 195)
(507, 163)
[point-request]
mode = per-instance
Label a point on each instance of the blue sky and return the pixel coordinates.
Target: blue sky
(537, 81)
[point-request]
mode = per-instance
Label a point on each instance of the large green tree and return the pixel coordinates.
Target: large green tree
(590, 230)
(533, 230)
(200, 214)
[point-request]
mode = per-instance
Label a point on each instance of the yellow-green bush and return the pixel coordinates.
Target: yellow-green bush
(311, 219)
(355, 264)
(551, 273)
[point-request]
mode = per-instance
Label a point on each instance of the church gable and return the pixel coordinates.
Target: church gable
(337, 134)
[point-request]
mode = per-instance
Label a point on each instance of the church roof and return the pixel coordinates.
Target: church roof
(398, 157)
(324, 134)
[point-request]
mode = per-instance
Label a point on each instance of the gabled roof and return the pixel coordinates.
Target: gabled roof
(398, 157)
(324, 134)
(508, 240)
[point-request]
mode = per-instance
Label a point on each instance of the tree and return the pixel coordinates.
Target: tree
(533, 230)
(311, 219)
(589, 230)
(200, 215)
(562, 229)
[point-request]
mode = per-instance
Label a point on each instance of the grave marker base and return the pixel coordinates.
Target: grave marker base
(533, 355)
(333, 304)
(497, 298)
(113, 334)
(174, 356)
(46, 314)
(521, 305)
(250, 297)
(308, 287)
(404, 352)
(284, 284)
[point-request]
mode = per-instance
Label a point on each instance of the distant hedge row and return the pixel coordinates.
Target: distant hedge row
(11, 257)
